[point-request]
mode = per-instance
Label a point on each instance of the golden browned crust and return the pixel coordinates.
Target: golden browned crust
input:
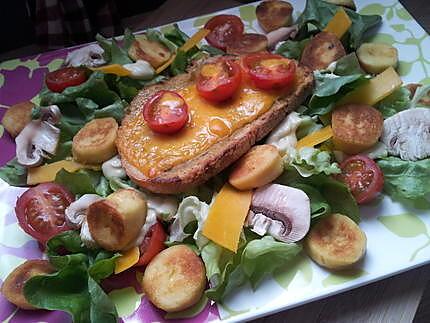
(222, 154)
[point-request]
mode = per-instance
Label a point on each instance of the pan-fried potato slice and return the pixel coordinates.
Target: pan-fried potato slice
(17, 117)
(336, 242)
(249, 43)
(274, 14)
(377, 57)
(259, 166)
(13, 286)
(151, 51)
(116, 221)
(356, 127)
(175, 279)
(322, 50)
(95, 142)
(344, 3)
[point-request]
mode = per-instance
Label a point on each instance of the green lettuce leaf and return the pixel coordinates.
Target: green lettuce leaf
(260, 257)
(155, 35)
(14, 174)
(176, 35)
(292, 48)
(318, 13)
(113, 52)
(398, 101)
(335, 193)
(190, 210)
(213, 51)
(348, 65)
(330, 88)
(84, 181)
(406, 180)
(311, 161)
(74, 288)
(319, 205)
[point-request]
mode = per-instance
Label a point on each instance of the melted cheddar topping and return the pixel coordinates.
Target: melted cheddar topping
(208, 123)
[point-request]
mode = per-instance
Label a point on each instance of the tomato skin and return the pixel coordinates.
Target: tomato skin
(165, 119)
(266, 78)
(363, 177)
(152, 244)
(60, 79)
(219, 88)
(225, 30)
(40, 210)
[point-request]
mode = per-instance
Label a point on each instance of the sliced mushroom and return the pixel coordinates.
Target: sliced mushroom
(76, 212)
(91, 56)
(281, 211)
(280, 34)
(50, 114)
(86, 237)
(407, 134)
(36, 141)
(112, 168)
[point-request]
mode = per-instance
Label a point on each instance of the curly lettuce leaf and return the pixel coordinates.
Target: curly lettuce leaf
(406, 180)
(398, 101)
(254, 261)
(310, 161)
(190, 210)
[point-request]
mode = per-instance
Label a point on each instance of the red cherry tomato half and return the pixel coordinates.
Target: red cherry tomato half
(219, 80)
(269, 71)
(225, 30)
(166, 112)
(152, 244)
(363, 177)
(60, 79)
(40, 210)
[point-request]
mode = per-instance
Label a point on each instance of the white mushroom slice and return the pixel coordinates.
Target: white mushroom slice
(407, 134)
(36, 141)
(140, 70)
(280, 34)
(281, 211)
(112, 168)
(91, 56)
(76, 212)
(50, 114)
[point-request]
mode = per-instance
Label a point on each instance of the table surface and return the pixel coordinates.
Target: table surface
(394, 299)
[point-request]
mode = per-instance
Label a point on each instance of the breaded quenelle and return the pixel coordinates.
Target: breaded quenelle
(17, 117)
(175, 279)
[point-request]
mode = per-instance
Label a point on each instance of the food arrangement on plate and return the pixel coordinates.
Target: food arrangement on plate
(208, 166)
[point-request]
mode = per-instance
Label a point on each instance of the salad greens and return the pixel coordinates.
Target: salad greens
(406, 180)
(74, 287)
(113, 52)
(84, 181)
(398, 101)
(319, 13)
(292, 48)
(14, 174)
(311, 161)
(335, 194)
(255, 259)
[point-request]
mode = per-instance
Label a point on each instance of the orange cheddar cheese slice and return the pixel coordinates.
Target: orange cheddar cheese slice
(339, 24)
(227, 216)
(127, 260)
(315, 138)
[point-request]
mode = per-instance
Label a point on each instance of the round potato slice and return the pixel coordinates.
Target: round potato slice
(259, 166)
(377, 57)
(274, 14)
(175, 279)
(95, 142)
(320, 51)
(13, 286)
(17, 117)
(356, 127)
(116, 221)
(336, 242)
(247, 44)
